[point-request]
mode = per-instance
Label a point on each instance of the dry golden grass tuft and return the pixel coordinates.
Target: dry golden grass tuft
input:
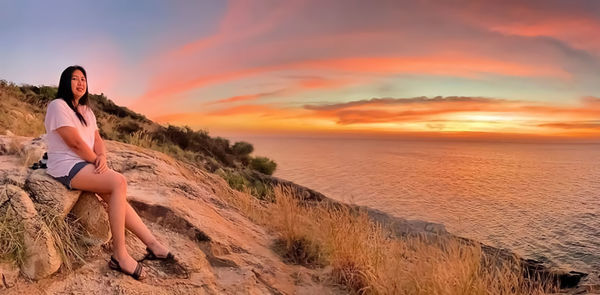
(12, 245)
(141, 139)
(366, 259)
(67, 234)
(68, 237)
(19, 117)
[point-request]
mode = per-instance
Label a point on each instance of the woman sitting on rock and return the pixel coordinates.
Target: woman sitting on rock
(77, 158)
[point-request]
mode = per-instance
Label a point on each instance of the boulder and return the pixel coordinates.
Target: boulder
(50, 193)
(14, 175)
(94, 219)
(41, 258)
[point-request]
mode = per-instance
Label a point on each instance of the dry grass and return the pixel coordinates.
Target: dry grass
(365, 259)
(12, 245)
(141, 139)
(67, 233)
(19, 117)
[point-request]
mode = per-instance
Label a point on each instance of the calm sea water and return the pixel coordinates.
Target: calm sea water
(539, 200)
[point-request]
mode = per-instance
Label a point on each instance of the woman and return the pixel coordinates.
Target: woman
(77, 158)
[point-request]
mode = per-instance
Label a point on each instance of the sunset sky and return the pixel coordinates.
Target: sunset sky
(314, 67)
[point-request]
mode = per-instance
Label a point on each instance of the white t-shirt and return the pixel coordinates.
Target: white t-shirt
(61, 158)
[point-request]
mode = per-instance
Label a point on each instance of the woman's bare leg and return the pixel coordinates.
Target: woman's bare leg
(134, 223)
(113, 183)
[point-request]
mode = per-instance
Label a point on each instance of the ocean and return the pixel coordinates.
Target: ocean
(538, 200)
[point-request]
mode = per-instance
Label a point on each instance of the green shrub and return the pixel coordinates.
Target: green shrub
(242, 148)
(128, 127)
(263, 165)
(46, 95)
(240, 181)
(235, 180)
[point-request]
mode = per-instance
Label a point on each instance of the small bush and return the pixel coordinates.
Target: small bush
(242, 148)
(129, 127)
(236, 180)
(263, 165)
(242, 182)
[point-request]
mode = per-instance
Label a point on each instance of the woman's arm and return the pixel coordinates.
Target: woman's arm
(100, 150)
(99, 147)
(71, 137)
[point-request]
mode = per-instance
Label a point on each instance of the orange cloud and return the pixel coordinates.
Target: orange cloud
(302, 84)
(320, 83)
(571, 24)
(573, 125)
(576, 31)
(238, 23)
(420, 115)
(452, 65)
(462, 114)
(238, 98)
(243, 110)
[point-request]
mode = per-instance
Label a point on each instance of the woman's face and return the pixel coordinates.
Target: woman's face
(78, 84)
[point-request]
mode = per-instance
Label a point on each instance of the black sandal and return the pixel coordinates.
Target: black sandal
(151, 256)
(114, 264)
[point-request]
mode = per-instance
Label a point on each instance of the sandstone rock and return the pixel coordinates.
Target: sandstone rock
(19, 200)
(91, 214)
(15, 176)
(48, 192)
(41, 258)
(9, 271)
(5, 144)
(17, 113)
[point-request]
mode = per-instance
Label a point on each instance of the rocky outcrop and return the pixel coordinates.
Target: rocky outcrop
(219, 250)
(48, 192)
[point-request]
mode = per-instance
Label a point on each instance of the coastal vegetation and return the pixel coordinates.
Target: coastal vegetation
(365, 258)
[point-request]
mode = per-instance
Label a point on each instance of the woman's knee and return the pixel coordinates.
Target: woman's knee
(119, 182)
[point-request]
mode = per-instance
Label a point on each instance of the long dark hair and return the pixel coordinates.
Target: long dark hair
(65, 92)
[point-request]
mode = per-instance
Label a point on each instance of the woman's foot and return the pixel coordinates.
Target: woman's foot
(158, 249)
(128, 264)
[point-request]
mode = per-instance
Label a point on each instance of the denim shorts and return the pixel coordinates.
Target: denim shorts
(66, 180)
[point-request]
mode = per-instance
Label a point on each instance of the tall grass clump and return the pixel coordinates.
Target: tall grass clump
(141, 139)
(294, 224)
(68, 236)
(12, 243)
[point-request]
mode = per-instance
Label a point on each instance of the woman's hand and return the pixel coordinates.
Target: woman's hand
(100, 163)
